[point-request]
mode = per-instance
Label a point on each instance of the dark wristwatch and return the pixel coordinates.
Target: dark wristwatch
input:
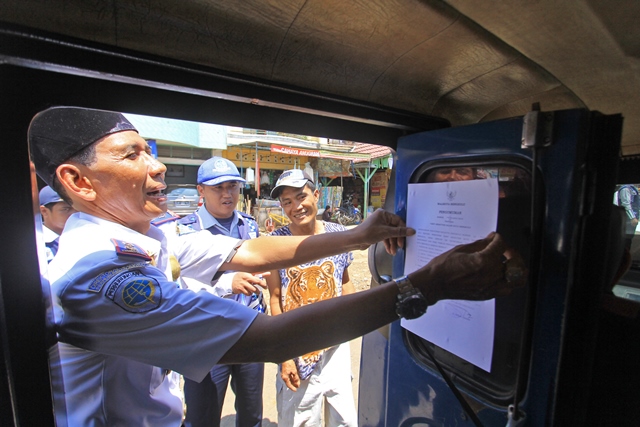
(411, 303)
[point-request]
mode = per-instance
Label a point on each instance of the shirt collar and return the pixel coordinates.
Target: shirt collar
(208, 220)
(48, 234)
(151, 242)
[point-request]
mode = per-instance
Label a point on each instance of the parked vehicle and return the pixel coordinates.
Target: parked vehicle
(347, 214)
(183, 199)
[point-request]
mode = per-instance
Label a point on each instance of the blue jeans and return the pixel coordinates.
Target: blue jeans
(204, 400)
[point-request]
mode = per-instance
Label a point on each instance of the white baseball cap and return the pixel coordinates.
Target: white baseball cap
(296, 178)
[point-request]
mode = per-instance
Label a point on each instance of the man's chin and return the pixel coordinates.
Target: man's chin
(155, 211)
(303, 220)
(221, 213)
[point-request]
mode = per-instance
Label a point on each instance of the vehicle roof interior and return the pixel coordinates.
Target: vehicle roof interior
(466, 61)
(463, 60)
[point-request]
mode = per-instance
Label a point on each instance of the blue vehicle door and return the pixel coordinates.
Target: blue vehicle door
(556, 173)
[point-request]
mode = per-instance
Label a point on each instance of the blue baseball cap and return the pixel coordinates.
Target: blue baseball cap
(217, 170)
(48, 195)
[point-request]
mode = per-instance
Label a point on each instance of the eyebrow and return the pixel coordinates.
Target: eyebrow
(134, 147)
(300, 192)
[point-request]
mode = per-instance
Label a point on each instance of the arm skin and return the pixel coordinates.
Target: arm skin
(347, 284)
(275, 252)
(473, 272)
(274, 284)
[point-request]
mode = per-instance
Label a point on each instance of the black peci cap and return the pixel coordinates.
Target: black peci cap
(56, 134)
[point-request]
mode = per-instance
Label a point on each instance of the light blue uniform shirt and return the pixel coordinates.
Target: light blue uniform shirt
(122, 322)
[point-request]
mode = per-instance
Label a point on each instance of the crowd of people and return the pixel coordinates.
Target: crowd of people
(141, 295)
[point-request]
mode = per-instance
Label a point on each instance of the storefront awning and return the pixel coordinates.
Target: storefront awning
(320, 153)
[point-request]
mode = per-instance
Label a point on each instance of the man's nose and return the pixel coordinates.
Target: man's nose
(155, 166)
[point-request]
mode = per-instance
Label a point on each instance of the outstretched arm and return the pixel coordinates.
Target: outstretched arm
(473, 272)
(275, 252)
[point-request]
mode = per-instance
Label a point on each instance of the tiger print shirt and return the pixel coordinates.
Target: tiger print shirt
(312, 282)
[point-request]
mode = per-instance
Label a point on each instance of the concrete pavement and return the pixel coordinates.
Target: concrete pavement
(270, 414)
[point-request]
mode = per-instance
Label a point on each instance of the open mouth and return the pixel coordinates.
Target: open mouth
(157, 193)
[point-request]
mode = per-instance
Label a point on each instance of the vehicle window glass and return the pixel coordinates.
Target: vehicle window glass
(183, 192)
(627, 198)
(182, 200)
(514, 215)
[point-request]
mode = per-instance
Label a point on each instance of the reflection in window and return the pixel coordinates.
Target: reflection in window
(512, 180)
(627, 197)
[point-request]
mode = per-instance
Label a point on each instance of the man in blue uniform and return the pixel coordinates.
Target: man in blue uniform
(219, 184)
(54, 212)
(123, 324)
(629, 198)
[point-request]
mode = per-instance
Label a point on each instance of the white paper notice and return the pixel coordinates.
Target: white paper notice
(446, 214)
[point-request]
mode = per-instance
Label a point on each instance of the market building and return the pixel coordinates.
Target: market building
(345, 171)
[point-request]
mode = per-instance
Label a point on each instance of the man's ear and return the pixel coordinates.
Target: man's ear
(44, 212)
(75, 183)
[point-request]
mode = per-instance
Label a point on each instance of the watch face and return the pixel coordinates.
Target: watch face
(412, 307)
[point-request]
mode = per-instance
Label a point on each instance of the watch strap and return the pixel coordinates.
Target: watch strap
(404, 285)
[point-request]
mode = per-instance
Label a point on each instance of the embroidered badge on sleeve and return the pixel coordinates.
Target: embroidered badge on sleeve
(98, 283)
(135, 292)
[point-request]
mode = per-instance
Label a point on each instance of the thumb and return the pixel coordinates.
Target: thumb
(493, 242)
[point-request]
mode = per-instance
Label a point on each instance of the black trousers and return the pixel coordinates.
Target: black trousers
(204, 400)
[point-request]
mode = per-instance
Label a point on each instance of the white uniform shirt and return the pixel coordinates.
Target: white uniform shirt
(122, 322)
(49, 236)
(223, 287)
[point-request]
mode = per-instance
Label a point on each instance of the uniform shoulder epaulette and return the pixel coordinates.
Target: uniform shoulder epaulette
(246, 215)
(188, 219)
(168, 216)
(130, 249)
